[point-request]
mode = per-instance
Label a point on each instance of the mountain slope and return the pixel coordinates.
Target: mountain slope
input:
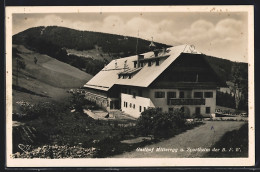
(82, 40)
(88, 51)
(47, 80)
(225, 68)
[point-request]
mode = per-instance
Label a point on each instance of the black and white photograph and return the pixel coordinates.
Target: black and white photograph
(130, 86)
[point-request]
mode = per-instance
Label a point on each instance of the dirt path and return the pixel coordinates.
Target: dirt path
(200, 137)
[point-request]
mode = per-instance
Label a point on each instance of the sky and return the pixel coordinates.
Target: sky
(223, 35)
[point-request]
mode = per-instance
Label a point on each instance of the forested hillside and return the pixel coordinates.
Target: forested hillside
(236, 74)
(225, 68)
(58, 41)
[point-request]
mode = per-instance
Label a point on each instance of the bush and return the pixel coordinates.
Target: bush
(29, 112)
(107, 147)
(236, 141)
(78, 102)
(160, 124)
(57, 152)
(198, 116)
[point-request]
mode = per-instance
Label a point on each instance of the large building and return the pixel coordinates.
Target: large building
(176, 77)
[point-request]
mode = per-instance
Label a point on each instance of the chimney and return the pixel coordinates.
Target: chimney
(116, 64)
(152, 46)
(139, 57)
(156, 52)
(163, 50)
(125, 65)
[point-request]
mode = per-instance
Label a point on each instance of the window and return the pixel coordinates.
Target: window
(170, 110)
(159, 94)
(140, 108)
(171, 94)
(197, 110)
(144, 108)
(181, 94)
(134, 106)
(135, 63)
(130, 105)
(149, 63)
(207, 109)
(208, 94)
(126, 104)
(134, 94)
(157, 62)
(198, 94)
(141, 64)
(129, 77)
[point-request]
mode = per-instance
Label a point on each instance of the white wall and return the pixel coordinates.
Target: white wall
(137, 101)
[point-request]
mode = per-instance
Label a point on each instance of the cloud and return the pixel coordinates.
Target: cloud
(222, 39)
(226, 37)
(229, 27)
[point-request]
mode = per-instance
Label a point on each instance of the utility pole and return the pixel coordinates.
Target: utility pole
(137, 43)
(17, 71)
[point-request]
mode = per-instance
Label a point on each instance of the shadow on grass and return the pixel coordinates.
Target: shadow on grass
(232, 144)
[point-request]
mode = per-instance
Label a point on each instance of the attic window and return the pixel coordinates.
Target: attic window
(149, 63)
(157, 62)
(135, 63)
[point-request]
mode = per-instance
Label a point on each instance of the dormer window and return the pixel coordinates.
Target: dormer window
(157, 62)
(156, 52)
(149, 63)
(135, 64)
(129, 73)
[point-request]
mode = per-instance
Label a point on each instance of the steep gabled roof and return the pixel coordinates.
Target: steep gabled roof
(108, 76)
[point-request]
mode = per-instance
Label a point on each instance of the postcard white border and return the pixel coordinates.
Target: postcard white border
(126, 162)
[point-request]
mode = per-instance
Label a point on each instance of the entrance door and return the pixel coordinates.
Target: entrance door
(186, 111)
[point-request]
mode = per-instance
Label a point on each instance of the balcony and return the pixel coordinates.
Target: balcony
(186, 101)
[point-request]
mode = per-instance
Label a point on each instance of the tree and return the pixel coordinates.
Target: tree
(160, 124)
(78, 101)
(236, 89)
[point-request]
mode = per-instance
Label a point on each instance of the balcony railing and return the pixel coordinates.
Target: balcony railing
(186, 101)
